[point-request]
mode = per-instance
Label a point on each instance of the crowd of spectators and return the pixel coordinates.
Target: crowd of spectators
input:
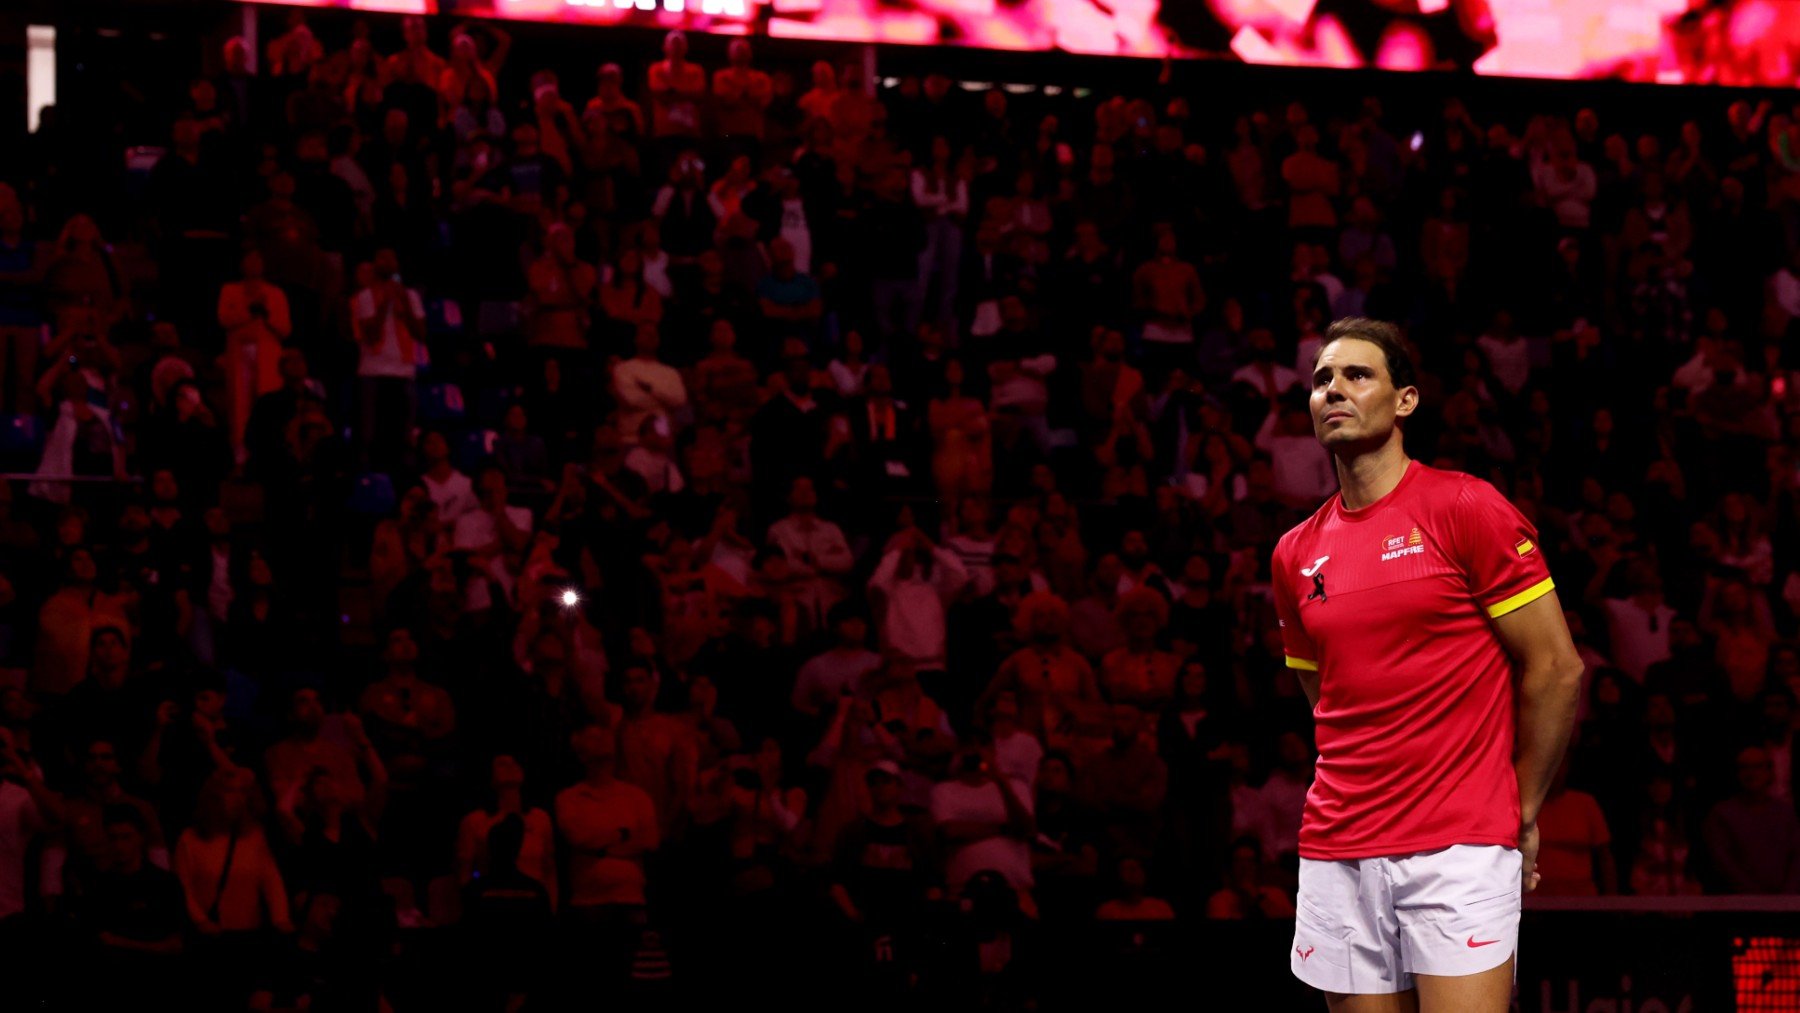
(582, 517)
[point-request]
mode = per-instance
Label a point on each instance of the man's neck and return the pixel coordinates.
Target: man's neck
(1365, 478)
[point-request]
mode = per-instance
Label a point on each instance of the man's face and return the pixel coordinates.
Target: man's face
(102, 765)
(1353, 398)
(640, 688)
(293, 366)
(1755, 771)
(308, 710)
(1125, 725)
(126, 843)
(1778, 712)
(134, 521)
(804, 498)
(1683, 635)
(401, 650)
(493, 487)
(109, 652)
(506, 772)
(595, 746)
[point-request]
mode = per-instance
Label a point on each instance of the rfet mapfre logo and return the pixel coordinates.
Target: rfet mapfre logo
(1410, 544)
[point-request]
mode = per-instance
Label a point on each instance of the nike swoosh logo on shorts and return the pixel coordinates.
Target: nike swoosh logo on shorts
(1485, 942)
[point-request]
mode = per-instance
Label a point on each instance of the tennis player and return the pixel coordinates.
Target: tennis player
(1419, 614)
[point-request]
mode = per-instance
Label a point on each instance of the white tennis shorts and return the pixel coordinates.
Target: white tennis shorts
(1365, 926)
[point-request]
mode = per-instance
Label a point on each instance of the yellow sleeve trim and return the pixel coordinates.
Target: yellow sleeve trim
(1523, 598)
(1302, 664)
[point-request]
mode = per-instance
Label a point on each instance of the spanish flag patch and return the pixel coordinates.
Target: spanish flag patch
(1524, 547)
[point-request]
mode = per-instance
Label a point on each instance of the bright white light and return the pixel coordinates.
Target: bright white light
(40, 71)
(570, 599)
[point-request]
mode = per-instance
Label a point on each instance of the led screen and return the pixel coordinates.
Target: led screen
(1733, 42)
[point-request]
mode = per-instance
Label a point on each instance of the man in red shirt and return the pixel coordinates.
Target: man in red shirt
(1419, 614)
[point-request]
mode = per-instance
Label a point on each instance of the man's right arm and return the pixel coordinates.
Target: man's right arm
(1298, 651)
(1309, 684)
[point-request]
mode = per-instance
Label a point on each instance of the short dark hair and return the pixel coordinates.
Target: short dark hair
(1382, 335)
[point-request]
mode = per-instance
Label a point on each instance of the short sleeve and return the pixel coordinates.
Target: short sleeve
(1296, 647)
(468, 533)
(1498, 550)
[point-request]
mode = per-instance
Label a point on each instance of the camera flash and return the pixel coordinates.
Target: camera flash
(570, 599)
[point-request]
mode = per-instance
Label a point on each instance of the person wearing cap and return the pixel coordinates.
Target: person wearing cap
(881, 868)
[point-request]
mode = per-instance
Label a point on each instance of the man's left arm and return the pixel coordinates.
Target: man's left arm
(1548, 689)
(1508, 576)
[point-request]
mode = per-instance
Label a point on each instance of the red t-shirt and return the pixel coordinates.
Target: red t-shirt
(1392, 605)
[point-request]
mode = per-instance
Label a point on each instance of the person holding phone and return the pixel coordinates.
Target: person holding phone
(983, 819)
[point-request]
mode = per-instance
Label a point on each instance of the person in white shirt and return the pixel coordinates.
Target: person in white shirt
(1784, 287)
(1017, 752)
(850, 367)
(1508, 356)
(653, 458)
(654, 258)
(1270, 378)
(1638, 624)
(646, 386)
(496, 537)
(984, 820)
(1565, 184)
(390, 334)
(912, 588)
(450, 490)
(1304, 474)
(794, 229)
(818, 554)
(974, 543)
